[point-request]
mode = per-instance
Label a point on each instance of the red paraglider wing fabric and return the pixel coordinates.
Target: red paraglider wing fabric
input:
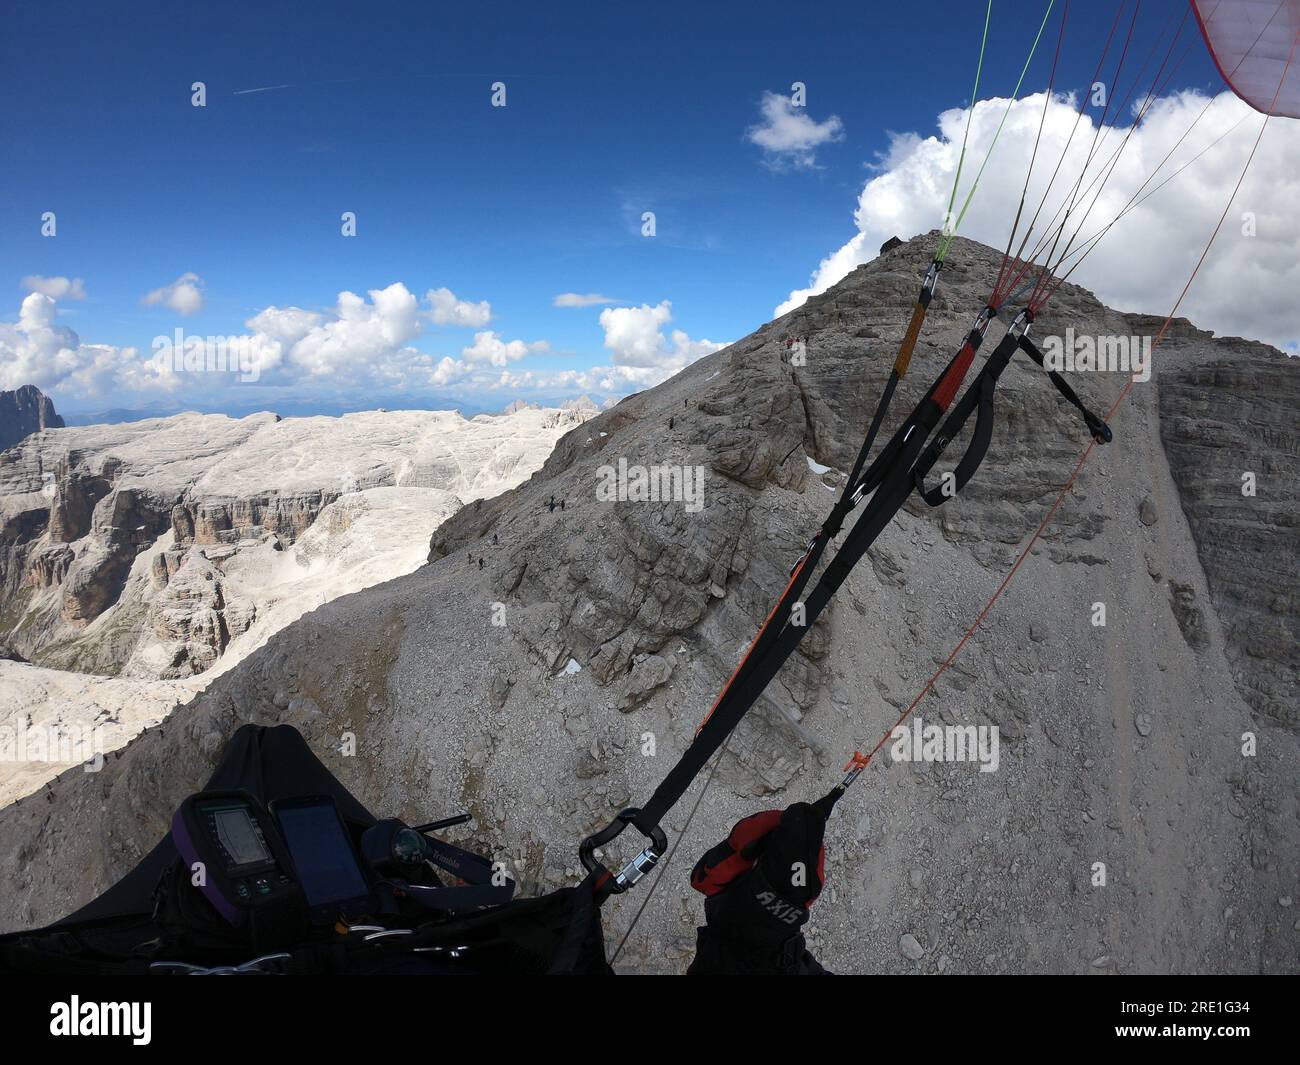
(1252, 42)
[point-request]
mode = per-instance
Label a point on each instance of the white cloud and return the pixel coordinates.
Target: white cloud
(360, 342)
(634, 334)
(184, 295)
(491, 349)
(37, 350)
(488, 353)
(575, 299)
(355, 341)
(642, 355)
(56, 288)
(286, 325)
(788, 136)
(1247, 285)
(446, 309)
(449, 371)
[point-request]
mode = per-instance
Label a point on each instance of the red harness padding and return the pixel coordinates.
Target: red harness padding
(739, 853)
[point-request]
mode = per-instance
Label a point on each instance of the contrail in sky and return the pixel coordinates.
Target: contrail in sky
(394, 77)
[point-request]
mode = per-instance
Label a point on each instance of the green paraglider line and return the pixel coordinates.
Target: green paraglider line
(974, 95)
(948, 237)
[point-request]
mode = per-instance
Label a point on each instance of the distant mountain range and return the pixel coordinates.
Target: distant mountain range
(145, 550)
(289, 407)
(285, 407)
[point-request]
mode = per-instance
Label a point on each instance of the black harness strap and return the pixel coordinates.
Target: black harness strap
(1100, 430)
(979, 398)
(857, 486)
(889, 482)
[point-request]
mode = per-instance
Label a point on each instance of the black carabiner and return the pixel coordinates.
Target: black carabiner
(1100, 430)
(608, 883)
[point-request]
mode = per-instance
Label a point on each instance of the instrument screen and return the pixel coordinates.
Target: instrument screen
(239, 835)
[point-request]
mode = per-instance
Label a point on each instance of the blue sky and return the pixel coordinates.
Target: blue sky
(611, 110)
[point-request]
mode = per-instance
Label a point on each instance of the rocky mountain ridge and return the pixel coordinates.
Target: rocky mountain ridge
(24, 411)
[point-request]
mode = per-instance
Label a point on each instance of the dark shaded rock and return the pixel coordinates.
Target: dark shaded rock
(1222, 418)
(76, 495)
(24, 411)
(123, 523)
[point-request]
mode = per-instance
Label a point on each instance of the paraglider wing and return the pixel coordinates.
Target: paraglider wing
(1253, 43)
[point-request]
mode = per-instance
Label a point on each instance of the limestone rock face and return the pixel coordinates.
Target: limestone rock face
(646, 574)
(119, 543)
(24, 411)
(75, 497)
(1229, 427)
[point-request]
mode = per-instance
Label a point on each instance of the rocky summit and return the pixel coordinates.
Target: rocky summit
(24, 411)
(555, 654)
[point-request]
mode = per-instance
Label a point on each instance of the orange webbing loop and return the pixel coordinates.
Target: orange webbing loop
(909, 340)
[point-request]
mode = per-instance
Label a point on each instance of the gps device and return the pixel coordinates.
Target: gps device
(234, 853)
(323, 858)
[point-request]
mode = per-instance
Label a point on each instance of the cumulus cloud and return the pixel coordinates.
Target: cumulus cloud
(642, 354)
(285, 325)
(446, 309)
(482, 363)
(57, 288)
(634, 334)
(491, 349)
(1246, 286)
(37, 350)
(357, 340)
(574, 299)
(788, 136)
(361, 342)
(184, 295)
